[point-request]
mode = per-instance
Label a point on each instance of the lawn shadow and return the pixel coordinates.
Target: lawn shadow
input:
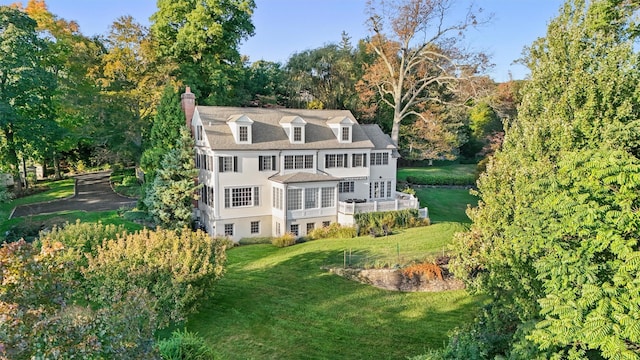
(289, 307)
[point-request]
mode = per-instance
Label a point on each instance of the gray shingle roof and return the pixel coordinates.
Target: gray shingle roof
(302, 177)
(381, 141)
(268, 134)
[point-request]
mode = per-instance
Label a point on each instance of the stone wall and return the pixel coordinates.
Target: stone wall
(392, 279)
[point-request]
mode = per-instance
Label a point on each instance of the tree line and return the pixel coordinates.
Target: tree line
(67, 98)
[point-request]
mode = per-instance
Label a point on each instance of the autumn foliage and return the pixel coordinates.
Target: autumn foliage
(428, 270)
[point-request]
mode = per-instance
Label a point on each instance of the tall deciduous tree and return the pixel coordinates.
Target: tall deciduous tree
(202, 38)
(555, 238)
(419, 55)
(26, 87)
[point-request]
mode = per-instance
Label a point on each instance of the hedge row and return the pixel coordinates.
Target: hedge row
(442, 179)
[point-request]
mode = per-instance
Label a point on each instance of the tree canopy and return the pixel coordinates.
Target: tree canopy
(555, 237)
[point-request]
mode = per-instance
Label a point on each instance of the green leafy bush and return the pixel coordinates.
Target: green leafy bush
(177, 268)
(255, 240)
(285, 240)
(184, 345)
(82, 237)
(335, 230)
(377, 222)
(442, 179)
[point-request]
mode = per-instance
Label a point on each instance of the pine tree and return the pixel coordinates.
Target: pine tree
(165, 131)
(169, 199)
(555, 237)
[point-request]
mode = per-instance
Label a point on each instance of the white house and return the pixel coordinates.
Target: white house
(269, 171)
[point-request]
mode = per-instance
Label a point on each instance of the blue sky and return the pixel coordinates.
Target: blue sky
(284, 27)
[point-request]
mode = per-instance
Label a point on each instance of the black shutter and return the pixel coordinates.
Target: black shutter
(235, 164)
(346, 158)
(273, 162)
(260, 168)
(220, 164)
(364, 160)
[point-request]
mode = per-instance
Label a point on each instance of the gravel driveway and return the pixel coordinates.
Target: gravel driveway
(93, 193)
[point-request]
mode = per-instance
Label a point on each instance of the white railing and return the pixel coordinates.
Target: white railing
(401, 202)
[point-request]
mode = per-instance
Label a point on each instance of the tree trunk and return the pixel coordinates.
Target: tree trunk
(56, 165)
(24, 171)
(13, 159)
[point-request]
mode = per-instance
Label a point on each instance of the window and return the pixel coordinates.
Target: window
(310, 227)
(295, 229)
(345, 133)
(206, 195)
(243, 134)
(328, 197)
(381, 158)
(335, 160)
(255, 227)
(241, 197)
(266, 163)
(228, 229)
(326, 223)
(311, 198)
(377, 189)
(199, 132)
(297, 133)
(345, 187)
(277, 198)
(359, 160)
(298, 162)
(228, 164)
(294, 199)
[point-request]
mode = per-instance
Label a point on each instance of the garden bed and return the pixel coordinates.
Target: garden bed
(394, 279)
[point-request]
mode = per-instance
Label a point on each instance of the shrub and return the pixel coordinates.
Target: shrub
(177, 269)
(285, 240)
(378, 221)
(442, 179)
(82, 237)
(334, 230)
(184, 345)
(255, 240)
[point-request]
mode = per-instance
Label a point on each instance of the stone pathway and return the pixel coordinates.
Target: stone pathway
(93, 193)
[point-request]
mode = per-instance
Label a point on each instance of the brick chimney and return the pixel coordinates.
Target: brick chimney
(188, 104)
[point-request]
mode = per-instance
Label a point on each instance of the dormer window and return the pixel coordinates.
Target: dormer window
(240, 126)
(342, 127)
(345, 133)
(294, 128)
(297, 134)
(243, 134)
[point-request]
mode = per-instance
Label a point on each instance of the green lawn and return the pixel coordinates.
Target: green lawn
(57, 190)
(279, 303)
(447, 170)
(446, 204)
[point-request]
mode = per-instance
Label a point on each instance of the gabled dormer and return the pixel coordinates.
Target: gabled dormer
(240, 126)
(294, 127)
(342, 127)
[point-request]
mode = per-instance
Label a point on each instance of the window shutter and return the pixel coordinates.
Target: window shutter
(346, 158)
(256, 196)
(364, 160)
(235, 164)
(273, 162)
(260, 168)
(227, 198)
(220, 164)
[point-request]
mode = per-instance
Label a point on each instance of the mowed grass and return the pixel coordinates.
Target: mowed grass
(281, 303)
(445, 171)
(446, 204)
(57, 190)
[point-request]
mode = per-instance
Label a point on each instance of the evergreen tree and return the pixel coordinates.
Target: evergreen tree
(555, 237)
(165, 131)
(174, 188)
